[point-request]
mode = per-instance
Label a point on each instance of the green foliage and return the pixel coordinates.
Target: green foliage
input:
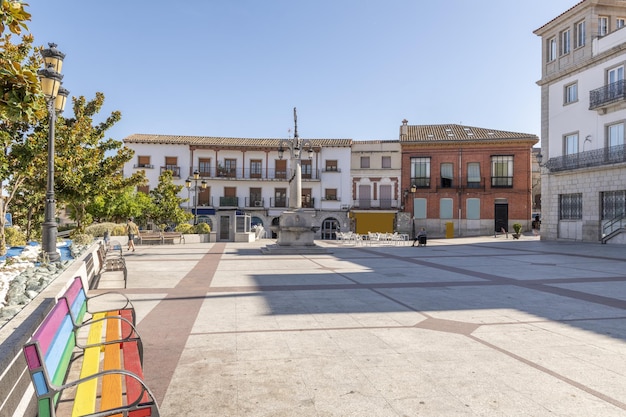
(119, 230)
(14, 236)
(203, 228)
(82, 239)
(517, 227)
(89, 167)
(98, 229)
(166, 204)
(185, 228)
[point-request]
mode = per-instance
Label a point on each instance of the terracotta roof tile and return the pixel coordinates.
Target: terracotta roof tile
(222, 141)
(457, 133)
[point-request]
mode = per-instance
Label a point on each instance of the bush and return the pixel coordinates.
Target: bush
(98, 229)
(203, 228)
(82, 239)
(184, 228)
(517, 227)
(14, 236)
(119, 230)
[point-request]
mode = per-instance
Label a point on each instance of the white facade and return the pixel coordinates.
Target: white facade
(583, 120)
(247, 176)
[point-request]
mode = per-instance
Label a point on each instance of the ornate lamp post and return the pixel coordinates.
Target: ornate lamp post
(295, 146)
(56, 96)
(195, 179)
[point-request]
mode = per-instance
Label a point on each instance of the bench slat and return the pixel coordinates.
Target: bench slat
(85, 399)
(112, 384)
(47, 330)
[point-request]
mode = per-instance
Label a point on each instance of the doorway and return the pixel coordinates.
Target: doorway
(501, 217)
(224, 228)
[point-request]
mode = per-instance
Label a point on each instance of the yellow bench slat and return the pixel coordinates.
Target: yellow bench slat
(85, 400)
(112, 384)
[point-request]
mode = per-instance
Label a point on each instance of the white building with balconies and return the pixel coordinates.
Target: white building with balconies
(583, 118)
(247, 177)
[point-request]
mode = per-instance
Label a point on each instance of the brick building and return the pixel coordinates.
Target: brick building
(475, 180)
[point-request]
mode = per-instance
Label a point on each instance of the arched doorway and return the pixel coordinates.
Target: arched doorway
(330, 227)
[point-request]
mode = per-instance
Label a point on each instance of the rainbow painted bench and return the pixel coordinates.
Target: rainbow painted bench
(92, 367)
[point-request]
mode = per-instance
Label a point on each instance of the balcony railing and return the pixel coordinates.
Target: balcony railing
(229, 201)
(253, 174)
(380, 204)
(501, 182)
(593, 158)
(175, 170)
(606, 95)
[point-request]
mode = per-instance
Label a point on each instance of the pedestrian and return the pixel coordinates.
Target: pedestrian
(420, 239)
(132, 230)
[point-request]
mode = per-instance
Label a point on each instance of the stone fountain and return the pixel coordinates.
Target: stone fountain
(296, 229)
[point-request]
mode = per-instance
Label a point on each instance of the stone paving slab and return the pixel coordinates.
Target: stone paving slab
(462, 327)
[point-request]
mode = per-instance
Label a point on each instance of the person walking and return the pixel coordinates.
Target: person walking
(132, 229)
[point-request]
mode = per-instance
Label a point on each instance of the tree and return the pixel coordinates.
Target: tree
(166, 204)
(88, 165)
(21, 105)
(119, 206)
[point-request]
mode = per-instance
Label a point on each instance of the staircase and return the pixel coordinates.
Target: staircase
(613, 228)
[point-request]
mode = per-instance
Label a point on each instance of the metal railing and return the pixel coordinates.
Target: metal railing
(612, 226)
(607, 94)
(381, 204)
(253, 174)
(593, 158)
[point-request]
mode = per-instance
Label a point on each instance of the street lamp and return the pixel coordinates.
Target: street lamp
(295, 146)
(195, 179)
(56, 96)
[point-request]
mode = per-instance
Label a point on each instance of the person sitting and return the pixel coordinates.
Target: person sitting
(420, 239)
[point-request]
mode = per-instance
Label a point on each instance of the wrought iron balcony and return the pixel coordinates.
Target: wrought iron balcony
(609, 94)
(593, 158)
(382, 203)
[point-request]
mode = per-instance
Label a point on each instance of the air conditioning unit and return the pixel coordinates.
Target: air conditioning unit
(258, 204)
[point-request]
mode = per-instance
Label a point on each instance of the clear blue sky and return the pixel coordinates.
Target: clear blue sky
(353, 68)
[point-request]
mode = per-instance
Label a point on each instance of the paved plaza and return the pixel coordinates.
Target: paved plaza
(462, 327)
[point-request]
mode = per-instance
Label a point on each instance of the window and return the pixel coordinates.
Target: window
(204, 196)
(307, 197)
(446, 175)
(281, 169)
(615, 142)
(603, 25)
(256, 199)
(420, 172)
(230, 168)
(419, 208)
(365, 162)
(307, 168)
(331, 165)
(620, 22)
(613, 204)
(143, 189)
(171, 164)
(502, 171)
(473, 209)
(571, 93)
(204, 167)
(446, 208)
(571, 206)
(570, 144)
(330, 193)
(566, 45)
(143, 162)
(280, 197)
(385, 162)
(473, 175)
(580, 34)
(256, 168)
(551, 49)
(615, 134)
(615, 80)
